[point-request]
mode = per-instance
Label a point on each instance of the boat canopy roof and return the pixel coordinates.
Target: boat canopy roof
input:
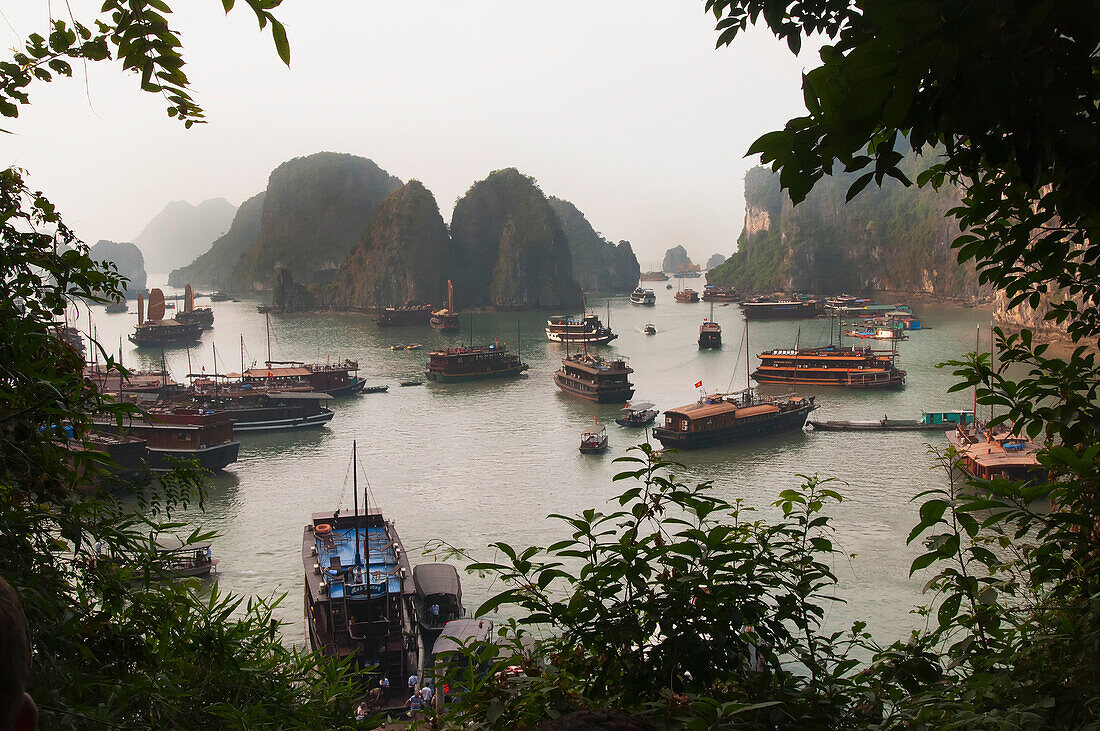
(172, 543)
(299, 395)
(458, 632)
(639, 406)
(277, 372)
(436, 578)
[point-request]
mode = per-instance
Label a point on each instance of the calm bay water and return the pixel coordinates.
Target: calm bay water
(480, 462)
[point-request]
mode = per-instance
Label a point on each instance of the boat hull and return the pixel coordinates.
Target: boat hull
(438, 377)
(580, 338)
(841, 380)
(244, 421)
(602, 395)
(354, 385)
(214, 457)
(783, 422)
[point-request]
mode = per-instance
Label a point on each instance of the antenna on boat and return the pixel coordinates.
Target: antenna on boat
(355, 501)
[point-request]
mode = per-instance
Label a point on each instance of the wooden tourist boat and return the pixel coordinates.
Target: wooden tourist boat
(594, 440)
(438, 598)
(934, 421)
(714, 293)
(654, 277)
(995, 453)
(116, 308)
(360, 594)
(772, 309)
(646, 297)
(710, 334)
(175, 434)
(446, 320)
(334, 379)
(587, 330)
(204, 316)
(596, 379)
(637, 415)
(410, 314)
(180, 560)
(719, 418)
(155, 331)
(687, 296)
(832, 365)
(450, 365)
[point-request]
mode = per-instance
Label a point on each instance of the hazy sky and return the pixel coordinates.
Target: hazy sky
(624, 108)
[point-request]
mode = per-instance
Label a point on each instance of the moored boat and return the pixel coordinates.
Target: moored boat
(596, 379)
(359, 593)
(335, 379)
(637, 415)
(934, 421)
(653, 277)
(715, 293)
(257, 411)
(995, 453)
(594, 440)
(449, 365)
(409, 314)
(832, 365)
(180, 560)
(642, 296)
(446, 320)
(115, 308)
(172, 435)
(719, 418)
(687, 296)
(762, 308)
(587, 330)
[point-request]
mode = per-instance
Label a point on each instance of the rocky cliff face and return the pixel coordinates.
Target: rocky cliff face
(290, 296)
(715, 260)
(598, 265)
(212, 268)
(510, 249)
(887, 239)
(405, 256)
(181, 232)
(676, 260)
(315, 212)
(127, 257)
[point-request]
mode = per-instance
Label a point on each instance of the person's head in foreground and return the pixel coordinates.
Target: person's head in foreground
(17, 709)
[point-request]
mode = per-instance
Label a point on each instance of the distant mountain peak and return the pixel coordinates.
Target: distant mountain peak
(182, 231)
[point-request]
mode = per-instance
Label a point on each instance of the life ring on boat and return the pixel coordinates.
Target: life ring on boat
(324, 529)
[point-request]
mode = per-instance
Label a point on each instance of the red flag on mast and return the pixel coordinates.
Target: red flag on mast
(699, 384)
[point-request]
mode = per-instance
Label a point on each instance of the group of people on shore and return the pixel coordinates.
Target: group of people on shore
(420, 698)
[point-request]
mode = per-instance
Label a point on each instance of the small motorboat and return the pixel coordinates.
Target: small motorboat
(117, 307)
(413, 346)
(649, 329)
(639, 414)
(594, 440)
(374, 389)
(398, 346)
(668, 286)
(169, 305)
(412, 382)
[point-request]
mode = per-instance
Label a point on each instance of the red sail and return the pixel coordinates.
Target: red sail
(156, 304)
(141, 309)
(188, 299)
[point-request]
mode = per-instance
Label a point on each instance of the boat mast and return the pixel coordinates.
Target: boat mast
(798, 336)
(242, 356)
(214, 350)
(748, 385)
(355, 500)
(267, 320)
(991, 359)
(163, 375)
(977, 346)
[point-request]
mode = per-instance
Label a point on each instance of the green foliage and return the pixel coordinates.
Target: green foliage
(136, 33)
(675, 605)
(1015, 637)
(115, 645)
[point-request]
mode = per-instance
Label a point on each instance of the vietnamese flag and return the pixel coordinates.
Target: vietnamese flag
(699, 384)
